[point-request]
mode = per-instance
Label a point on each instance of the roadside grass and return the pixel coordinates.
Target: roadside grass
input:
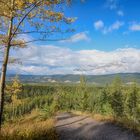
(29, 127)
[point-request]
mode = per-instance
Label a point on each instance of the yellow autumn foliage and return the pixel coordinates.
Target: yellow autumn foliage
(14, 89)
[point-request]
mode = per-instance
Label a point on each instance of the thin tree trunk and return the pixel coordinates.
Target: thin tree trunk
(2, 83)
(4, 67)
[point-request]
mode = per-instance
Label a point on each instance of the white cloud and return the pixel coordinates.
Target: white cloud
(82, 36)
(120, 13)
(57, 60)
(115, 26)
(104, 29)
(114, 5)
(134, 27)
(98, 24)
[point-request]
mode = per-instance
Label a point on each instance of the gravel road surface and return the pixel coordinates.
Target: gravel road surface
(76, 127)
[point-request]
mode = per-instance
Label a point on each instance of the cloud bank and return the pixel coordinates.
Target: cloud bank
(43, 60)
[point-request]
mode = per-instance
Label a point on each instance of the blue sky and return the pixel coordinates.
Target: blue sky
(106, 40)
(107, 11)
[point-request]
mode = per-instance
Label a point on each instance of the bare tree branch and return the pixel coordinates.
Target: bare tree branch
(36, 32)
(37, 40)
(41, 32)
(34, 6)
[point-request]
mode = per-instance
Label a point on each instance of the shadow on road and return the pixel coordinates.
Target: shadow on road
(72, 122)
(65, 117)
(84, 128)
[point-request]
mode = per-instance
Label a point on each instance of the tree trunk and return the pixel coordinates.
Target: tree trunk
(4, 69)
(2, 82)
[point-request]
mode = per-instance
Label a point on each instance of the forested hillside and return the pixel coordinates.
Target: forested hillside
(127, 78)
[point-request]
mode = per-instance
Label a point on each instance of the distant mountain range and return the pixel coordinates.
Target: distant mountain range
(127, 78)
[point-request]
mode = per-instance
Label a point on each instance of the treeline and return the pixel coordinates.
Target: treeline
(117, 100)
(30, 97)
(26, 106)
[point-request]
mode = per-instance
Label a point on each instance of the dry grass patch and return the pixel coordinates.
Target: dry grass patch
(29, 128)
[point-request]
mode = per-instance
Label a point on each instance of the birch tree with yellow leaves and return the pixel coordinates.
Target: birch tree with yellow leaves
(39, 16)
(14, 89)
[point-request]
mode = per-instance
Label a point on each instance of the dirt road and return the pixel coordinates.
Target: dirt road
(74, 127)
